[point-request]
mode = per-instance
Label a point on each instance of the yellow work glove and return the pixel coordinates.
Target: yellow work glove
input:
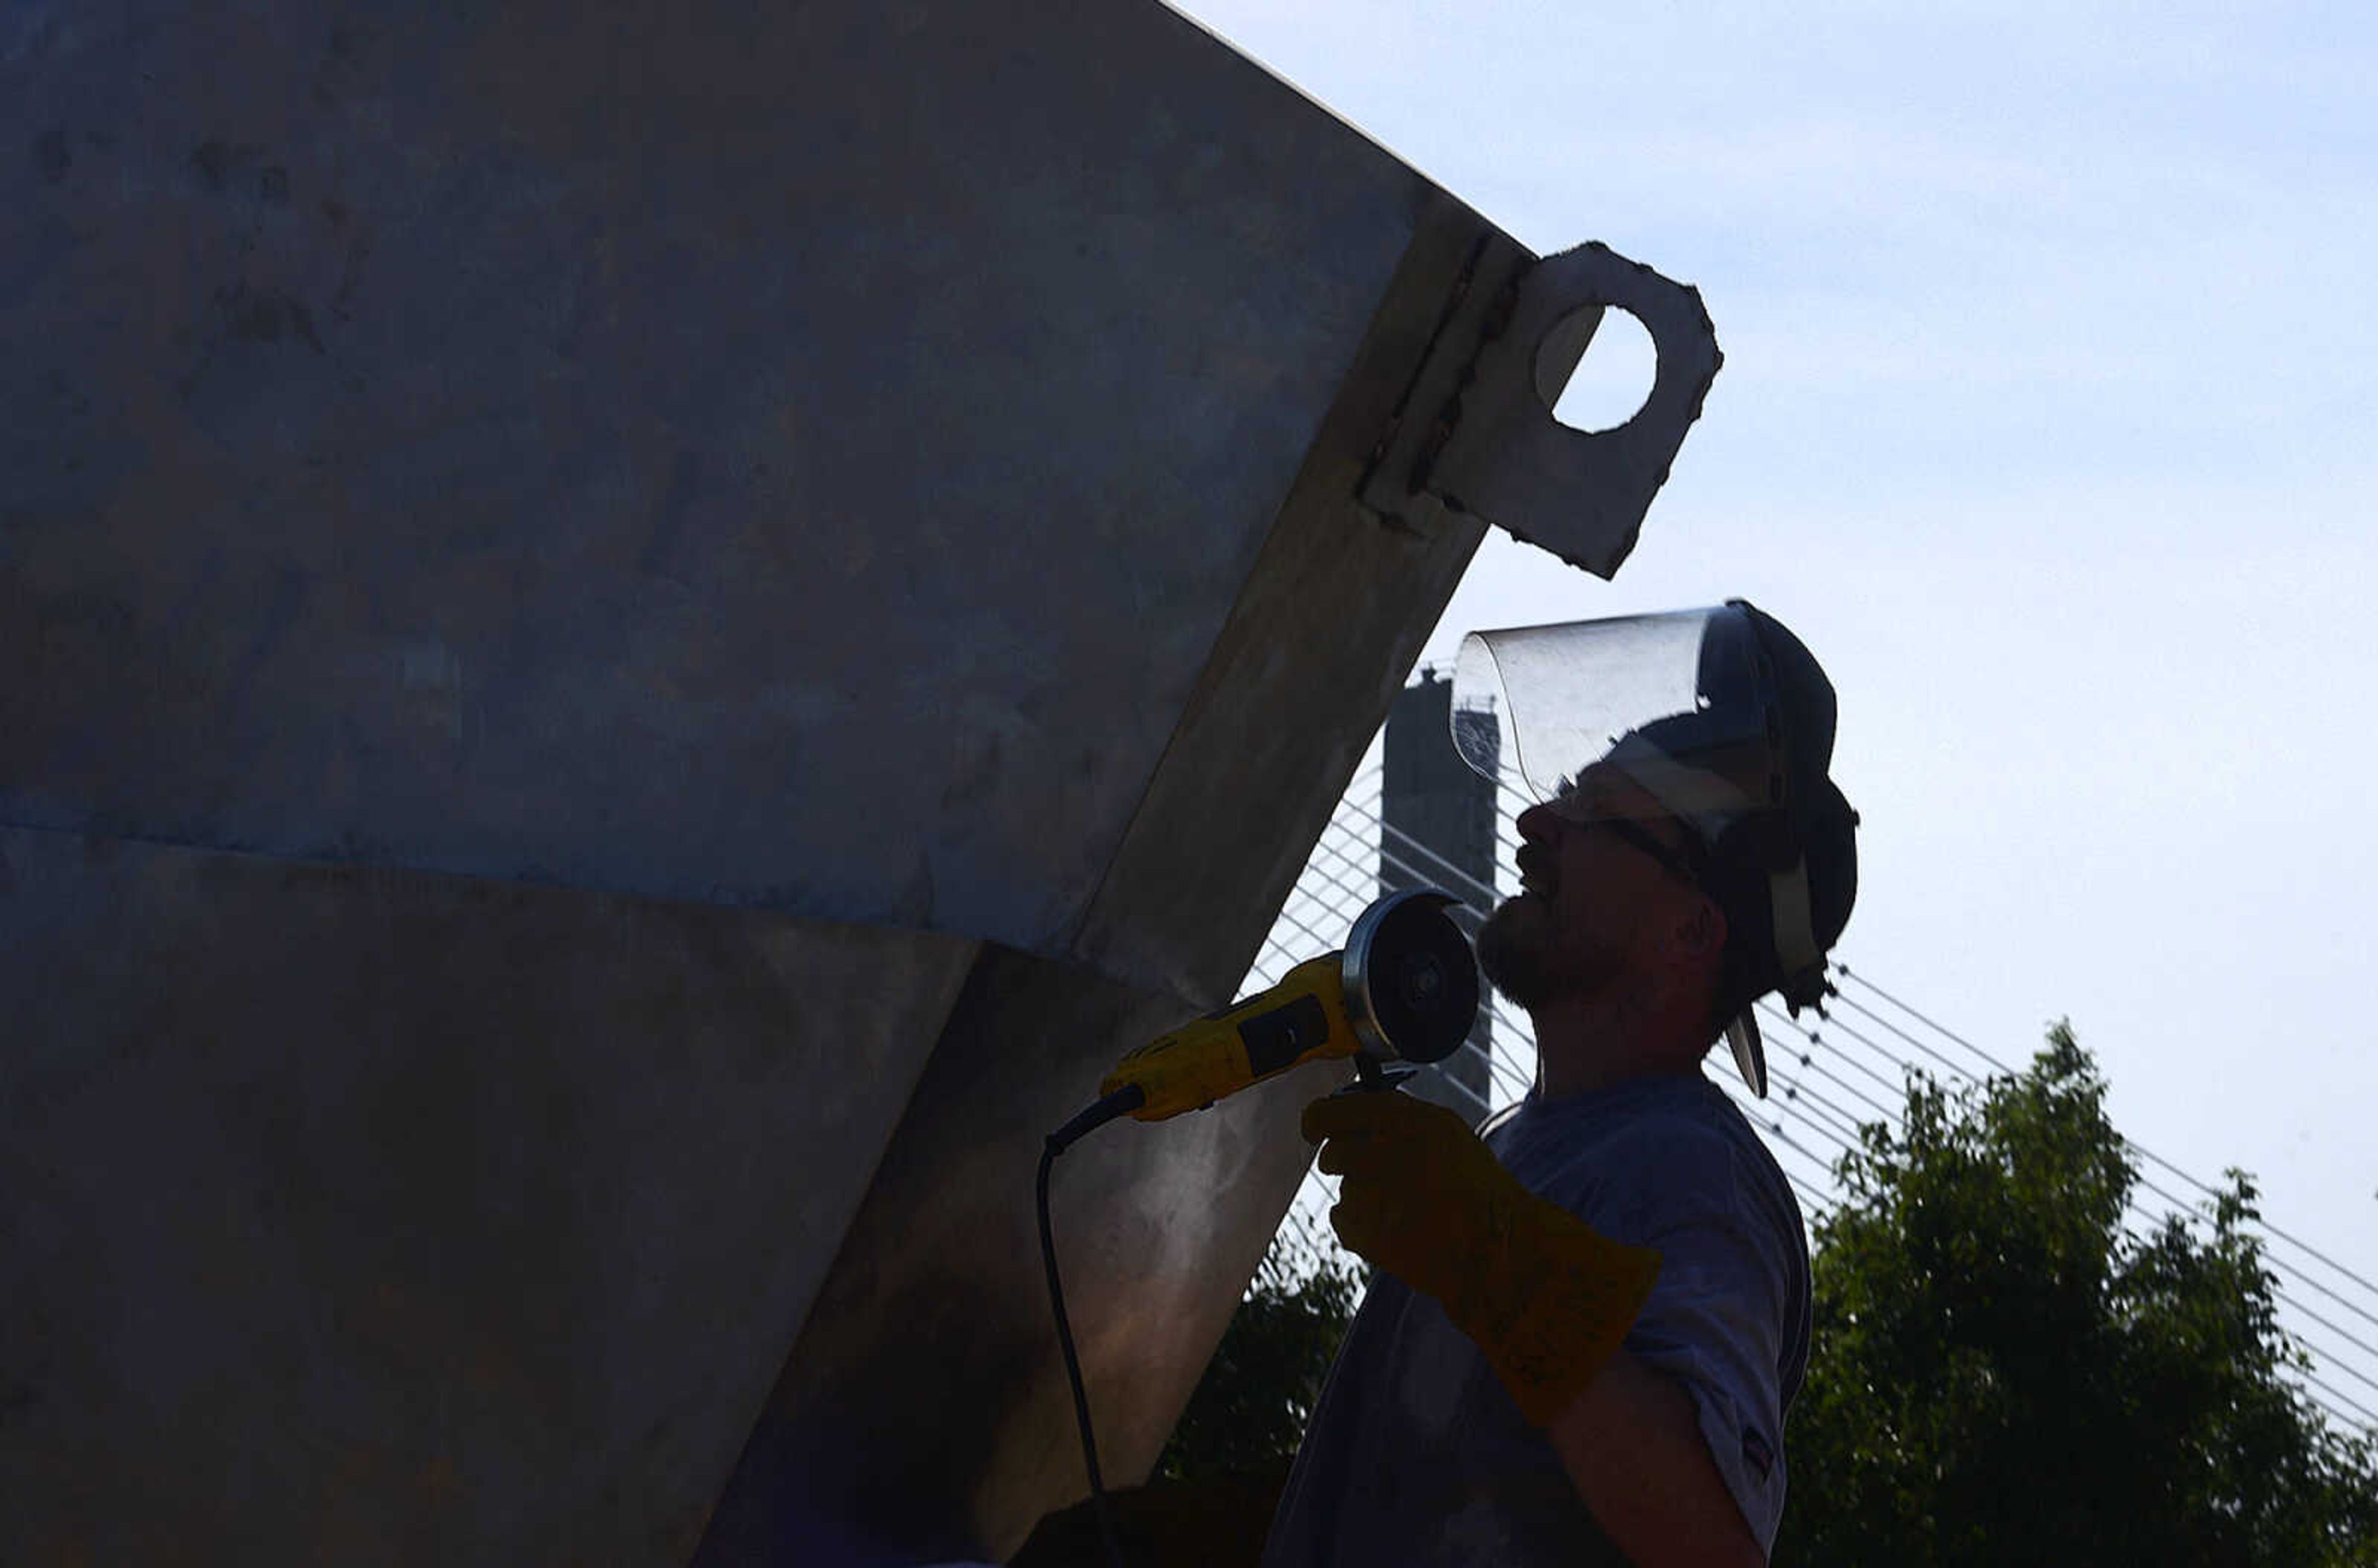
(1544, 1295)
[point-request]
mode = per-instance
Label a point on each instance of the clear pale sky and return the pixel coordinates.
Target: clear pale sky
(2051, 377)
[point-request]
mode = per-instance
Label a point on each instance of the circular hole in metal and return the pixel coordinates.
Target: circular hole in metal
(1610, 383)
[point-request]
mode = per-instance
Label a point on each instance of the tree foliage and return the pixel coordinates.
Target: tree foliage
(2008, 1367)
(1249, 1411)
(1209, 1503)
(2002, 1372)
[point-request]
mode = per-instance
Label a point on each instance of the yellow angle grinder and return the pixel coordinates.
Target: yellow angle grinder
(1405, 990)
(1402, 993)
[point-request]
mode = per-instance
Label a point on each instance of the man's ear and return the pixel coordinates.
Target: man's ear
(1701, 932)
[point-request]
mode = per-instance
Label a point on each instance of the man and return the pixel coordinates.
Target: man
(1587, 1326)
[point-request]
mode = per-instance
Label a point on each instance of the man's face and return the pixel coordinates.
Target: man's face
(1595, 903)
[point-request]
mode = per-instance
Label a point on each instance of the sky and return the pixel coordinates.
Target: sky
(2046, 422)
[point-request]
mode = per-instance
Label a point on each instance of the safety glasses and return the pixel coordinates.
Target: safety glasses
(1674, 861)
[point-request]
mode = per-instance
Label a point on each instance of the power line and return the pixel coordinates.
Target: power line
(1835, 1122)
(2369, 1417)
(1398, 862)
(1852, 1004)
(2202, 1186)
(1809, 1200)
(1895, 1087)
(1844, 972)
(2279, 1265)
(2342, 1333)
(2333, 1358)
(2292, 1271)
(1807, 1060)
(1452, 871)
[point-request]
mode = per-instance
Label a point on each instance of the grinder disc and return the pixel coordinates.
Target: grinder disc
(1411, 982)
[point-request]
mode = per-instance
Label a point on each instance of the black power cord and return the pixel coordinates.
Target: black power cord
(1121, 1103)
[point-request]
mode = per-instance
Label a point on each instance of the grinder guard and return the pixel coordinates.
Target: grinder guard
(1411, 983)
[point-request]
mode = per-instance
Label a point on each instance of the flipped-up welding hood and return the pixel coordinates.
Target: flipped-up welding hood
(639, 639)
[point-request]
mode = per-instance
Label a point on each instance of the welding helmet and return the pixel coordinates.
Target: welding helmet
(1724, 721)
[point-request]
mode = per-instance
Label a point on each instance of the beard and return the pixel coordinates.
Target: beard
(1515, 951)
(1522, 954)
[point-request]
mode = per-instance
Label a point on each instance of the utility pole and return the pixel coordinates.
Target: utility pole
(1428, 795)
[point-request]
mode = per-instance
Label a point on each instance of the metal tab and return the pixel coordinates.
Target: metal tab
(1491, 447)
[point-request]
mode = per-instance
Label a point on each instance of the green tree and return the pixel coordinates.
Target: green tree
(1249, 1411)
(2003, 1373)
(1209, 1503)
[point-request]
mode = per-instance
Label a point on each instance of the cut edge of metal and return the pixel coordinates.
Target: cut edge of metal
(1324, 512)
(1492, 448)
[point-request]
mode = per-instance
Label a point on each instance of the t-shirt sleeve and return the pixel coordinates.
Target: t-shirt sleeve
(1715, 1320)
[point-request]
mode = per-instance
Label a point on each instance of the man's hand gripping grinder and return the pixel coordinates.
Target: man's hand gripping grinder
(1402, 993)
